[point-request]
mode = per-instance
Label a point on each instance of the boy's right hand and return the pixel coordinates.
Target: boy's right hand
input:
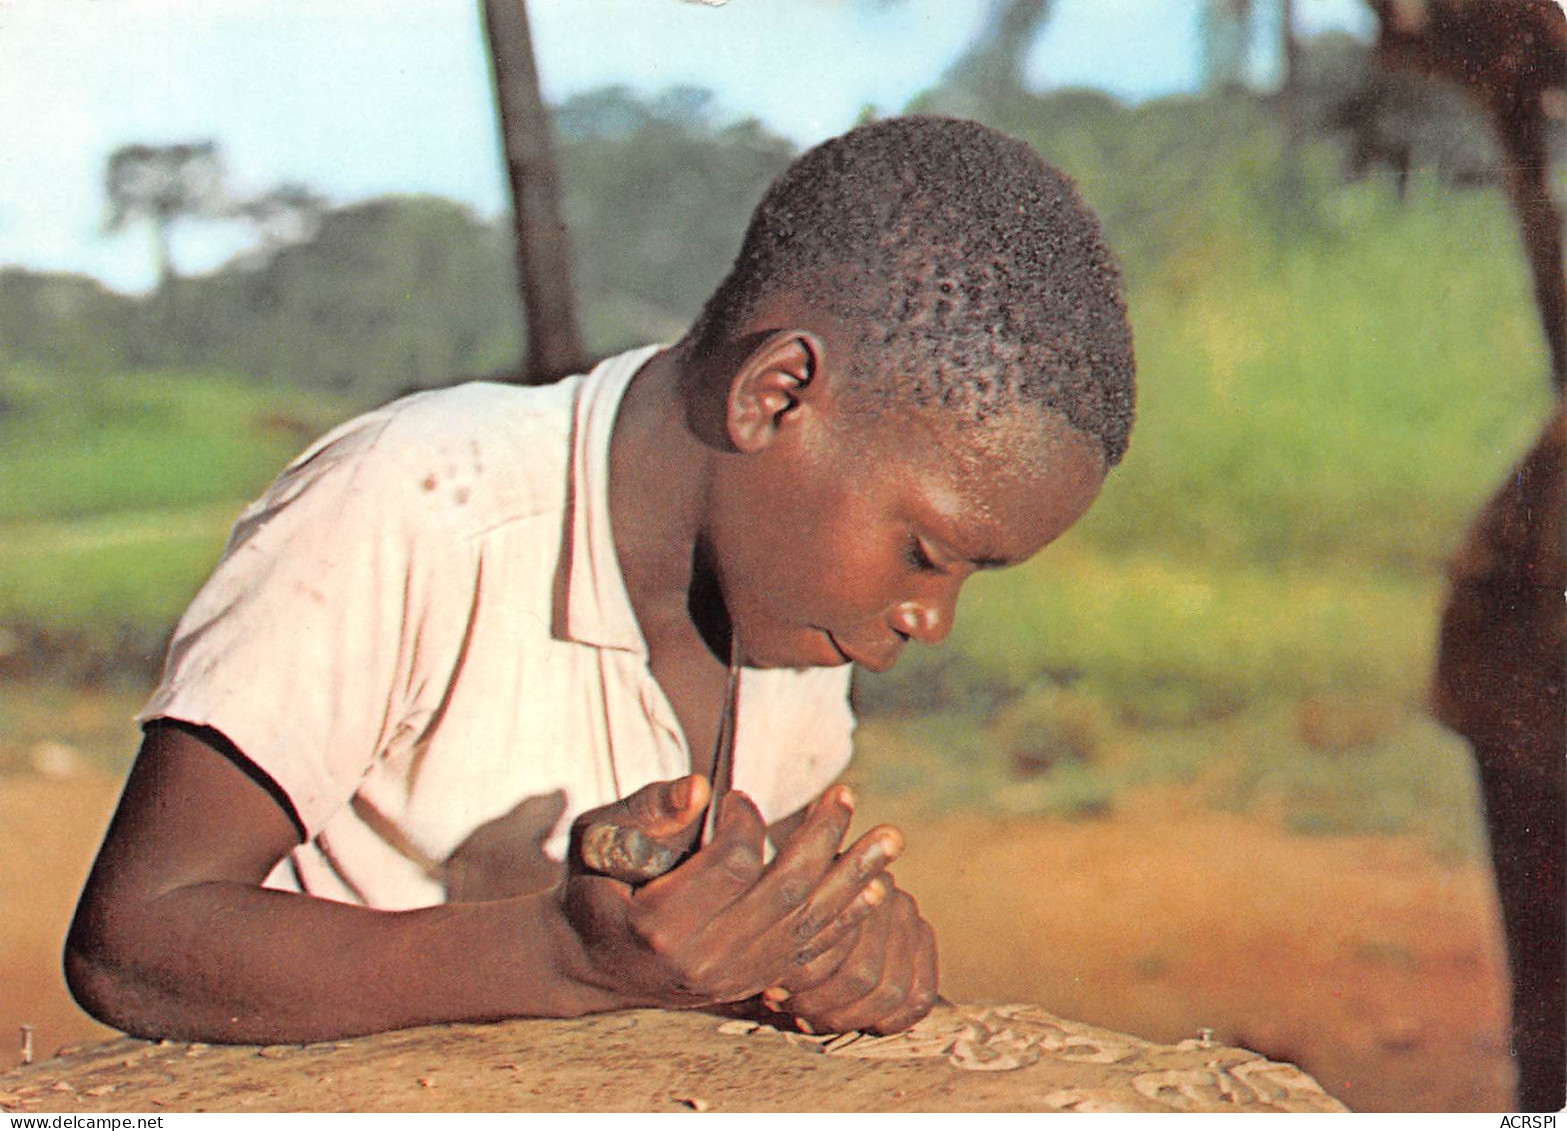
(721, 926)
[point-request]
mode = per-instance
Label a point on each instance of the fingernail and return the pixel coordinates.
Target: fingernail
(804, 1026)
(883, 848)
(775, 995)
(874, 892)
(846, 797)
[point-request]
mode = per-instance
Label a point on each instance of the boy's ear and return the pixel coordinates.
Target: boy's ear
(769, 385)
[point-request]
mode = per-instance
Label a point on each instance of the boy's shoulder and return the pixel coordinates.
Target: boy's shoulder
(479, 411)
(478, 454)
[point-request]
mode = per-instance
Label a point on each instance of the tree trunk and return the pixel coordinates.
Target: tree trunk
(1511, 58)
(1290, 175)
(1523, 134)
(543, 246)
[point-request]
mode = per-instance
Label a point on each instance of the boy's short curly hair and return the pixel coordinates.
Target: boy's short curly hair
(976, 275)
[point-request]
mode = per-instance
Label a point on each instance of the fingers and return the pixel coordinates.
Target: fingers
(923, 989)
(661, 809)
(794, 884)
(681, 918)
(640, 836)
(716, 874)
(886, 982)
(830, 928)
(817, 960)
(625, 853)
(745, 924)
(851, 891)
(809, 893)
(858, 974)
(653, 942)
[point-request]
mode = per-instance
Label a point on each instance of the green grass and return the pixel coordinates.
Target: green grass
(135, 567)
(1166, 640)
(1318, 421)
(1352, 397)
(116, 496)
(1409, 776)
(74, 446)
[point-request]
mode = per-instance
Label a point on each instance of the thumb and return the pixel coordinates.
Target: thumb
(640, 837)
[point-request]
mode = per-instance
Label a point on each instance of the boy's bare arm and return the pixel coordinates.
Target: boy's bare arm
(174, 937)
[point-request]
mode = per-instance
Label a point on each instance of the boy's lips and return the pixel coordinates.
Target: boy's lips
(872, 659)
(843, 655)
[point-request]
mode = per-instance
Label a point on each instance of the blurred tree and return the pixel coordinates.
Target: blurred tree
(997, 58)
(288, 213)
(399, 293)
(989, 80)
(1390, 118)
(1225, 29)
(65, 322)
(543, 248)
(1501, 681)
(388, 295)
(1290, 110)
(660, 195)
(164, 184)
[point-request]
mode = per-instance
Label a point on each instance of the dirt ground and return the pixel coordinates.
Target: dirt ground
(1363, 959)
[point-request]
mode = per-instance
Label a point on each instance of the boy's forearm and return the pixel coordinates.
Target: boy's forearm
(226, 962)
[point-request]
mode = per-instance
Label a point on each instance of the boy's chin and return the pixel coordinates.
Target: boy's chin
(796, 651)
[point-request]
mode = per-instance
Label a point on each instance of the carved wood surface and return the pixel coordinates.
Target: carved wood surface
(960, 1058)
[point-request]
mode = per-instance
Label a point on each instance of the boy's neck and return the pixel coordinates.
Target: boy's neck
(657, 492)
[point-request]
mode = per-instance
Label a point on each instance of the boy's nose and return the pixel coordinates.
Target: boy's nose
(929, 622)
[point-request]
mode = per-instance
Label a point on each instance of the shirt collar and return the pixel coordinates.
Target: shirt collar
(597, 606)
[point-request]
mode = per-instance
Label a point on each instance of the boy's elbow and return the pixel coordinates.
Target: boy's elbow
(99, 974)
(91, 983)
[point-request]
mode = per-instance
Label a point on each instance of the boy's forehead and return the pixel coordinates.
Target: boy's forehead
(1004, 444)
(991, 487)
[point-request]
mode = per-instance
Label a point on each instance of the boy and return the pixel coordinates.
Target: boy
(455, 617)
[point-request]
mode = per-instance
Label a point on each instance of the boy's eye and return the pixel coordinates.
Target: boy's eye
(916, 557)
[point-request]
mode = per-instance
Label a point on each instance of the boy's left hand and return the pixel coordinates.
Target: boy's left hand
(881, 979)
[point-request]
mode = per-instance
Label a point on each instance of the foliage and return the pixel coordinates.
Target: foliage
(163, 184)
(375, 298)
(1352, 398)
(1165, 642)
(68, 323)
(389, 295)
(658, 196)
(1388, 118)
(167, 184)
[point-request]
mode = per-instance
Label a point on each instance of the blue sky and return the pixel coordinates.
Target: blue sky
(362, 97)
